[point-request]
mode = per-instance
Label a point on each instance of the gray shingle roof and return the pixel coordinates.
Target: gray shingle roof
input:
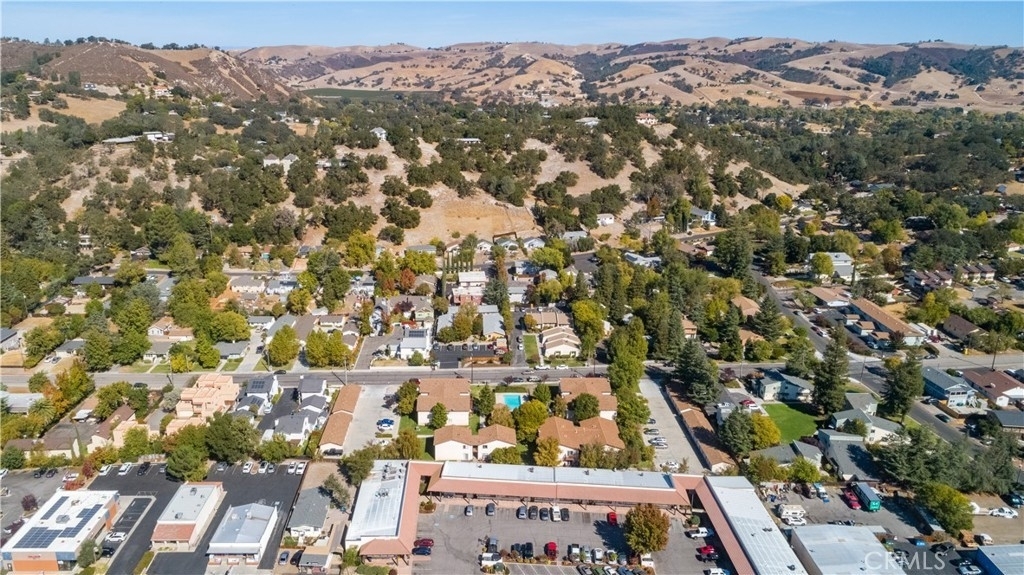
(310, 509)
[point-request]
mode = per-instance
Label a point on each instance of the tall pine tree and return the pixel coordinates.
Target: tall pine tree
(697, 373)
(830, 374)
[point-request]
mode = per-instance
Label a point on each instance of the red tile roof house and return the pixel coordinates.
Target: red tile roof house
(998, 388)
(452, 392)
(571, 437)
(458, 443)
(572, 387)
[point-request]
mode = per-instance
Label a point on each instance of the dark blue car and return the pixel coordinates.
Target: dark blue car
(421, 550)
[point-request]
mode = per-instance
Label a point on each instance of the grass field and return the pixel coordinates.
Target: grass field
(371, 95)
(792, 422)
(231, 364)
(530, 347)
(408, 423)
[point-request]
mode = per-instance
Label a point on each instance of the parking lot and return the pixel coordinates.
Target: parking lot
(459, 540)
(153, 487)
(371, 408)
(680, 449)
(277, 489)
(132, 510)
(20, 484)
(901, 520)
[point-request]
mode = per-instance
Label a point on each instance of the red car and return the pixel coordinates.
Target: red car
(707, 553)
(551, 550)
(851, 499)
(423, 543)
(613, 519)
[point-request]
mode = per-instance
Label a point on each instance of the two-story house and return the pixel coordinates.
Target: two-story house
(458, 443)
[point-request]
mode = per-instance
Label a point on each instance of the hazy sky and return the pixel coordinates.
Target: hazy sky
(245, 24)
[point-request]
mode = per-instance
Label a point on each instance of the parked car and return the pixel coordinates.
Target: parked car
(699, 532)
(942, 549)
(247, 468)
(264, 466)
(421, 550)
(490, 509)
(425, 542)
(561, 366)
(125, 469)
(528, 550)
(116, 536)
(545, 514)
(521, 512)
(598, 555)
(222, 467)
(301, 468)
(283, 559)
(291, 468)
(969, 569)
(532, 512)
(1004, 512)
(469, 511)
(651, 431)
(613, 519)
(564, 514)
(551, 550)
(651, 421)
(707, 553)
(105, 470)
(50, 473)
(144, 468)
(796, 521)
(162, 468)
(1015, 499)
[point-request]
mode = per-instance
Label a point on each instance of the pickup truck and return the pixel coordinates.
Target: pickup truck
(699, 532)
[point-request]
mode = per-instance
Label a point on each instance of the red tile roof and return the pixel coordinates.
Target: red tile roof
(348, 398)
(336, 428)
(173, 532)
(597, 430)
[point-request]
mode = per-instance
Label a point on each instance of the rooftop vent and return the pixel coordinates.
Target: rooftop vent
(193, 491)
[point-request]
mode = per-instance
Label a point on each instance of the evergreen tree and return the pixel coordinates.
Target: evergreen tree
(698, 375)
(903, 385)
(738, 433)
(485, 401)
(801, 360)
(831, 373)
(768, 320)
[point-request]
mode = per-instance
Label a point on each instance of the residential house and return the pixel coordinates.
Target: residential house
(493, 326)
(265, 387)
(271, 160)
(248, 284)
(304, 325)
(158, 351)
(70, 348)
(976, 273)
(212, 393)
(547, 318)
(295, 427)
(81, 283)
(414, 340)
(517, 292)
(363, 286)
(689, 329)
(472, 279)
(19, 402)
(285, 320)
(646, 119)
(103, 436)
(573, 236)
(281, 286)
(779, 386)
(559, 341)
(381, 133)
(842, 265)
(703, 217)
(960, 329)
(995, 386)
(829, 297)
(422, 249)
(309, 514)
(467, 295)
(926, 281)
(546, 275)
(572, 387)
(310, 385)
(1009, 420)
(571, 437)
(524, 268)
(605, 219)
(785, 455)
(747, 306)
(458, 443)
(864, 407)
(261, 322)
(9, 339)
(484, 246)
(944, 387)
(232, 350)
(534, 243)
(452, 392)
(332, 322)
(252, 404)
(166, 328)
(848, 455)
(886, 323)
(641, 260)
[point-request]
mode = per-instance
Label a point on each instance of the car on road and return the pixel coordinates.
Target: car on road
(301, 468)
(545, 514)
(561, 366)
(105, 469)
(125, 469)
(425, 542)
(942, 417)
(564, 513)
(613, 518)
(532, 512)
(421, 551)
(490, 509)
(144, 469)
(469, 511)
(247, 468)
(116, 536)
(283, 558)
(542, 367)
(1004, 512)
(521, 512)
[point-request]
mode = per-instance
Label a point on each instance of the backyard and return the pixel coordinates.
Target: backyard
(794, 420)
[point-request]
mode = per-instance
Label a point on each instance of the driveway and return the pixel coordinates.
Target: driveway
(371, 409)
(680, 448)
(253, 356)
(373, 343)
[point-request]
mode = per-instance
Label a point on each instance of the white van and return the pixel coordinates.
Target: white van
(489, 559)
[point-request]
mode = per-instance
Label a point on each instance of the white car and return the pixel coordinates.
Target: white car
(105, 470)
(795, 521)
(561, 366)
(301, 468)
(247, 468)
(542, 367)
(598, 555)
(3, 472)
(291, 468)
(116, 536)
(1004, 512)
(125, 469)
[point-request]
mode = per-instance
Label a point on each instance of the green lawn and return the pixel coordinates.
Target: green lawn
(232, 364)
(474, 422)
(792, 422)
(161, 368)
(530, 347)
(139, 367)
(409, 423)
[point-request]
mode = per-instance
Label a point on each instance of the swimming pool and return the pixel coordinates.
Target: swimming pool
(512, 400)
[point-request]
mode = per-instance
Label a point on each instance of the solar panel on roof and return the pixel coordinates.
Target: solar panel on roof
(38, 538)
(54, 509)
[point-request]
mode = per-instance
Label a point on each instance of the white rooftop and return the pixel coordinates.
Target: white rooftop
(188, 502)
(378, 507)
(474, 277)
(243, 530)
(763, 543)
(63, 522)
(1006, 559)
(561, 475)
(843, 550)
